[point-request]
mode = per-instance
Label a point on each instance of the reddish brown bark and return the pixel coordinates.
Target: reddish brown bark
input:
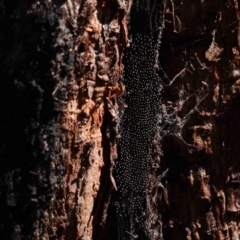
(61, 67)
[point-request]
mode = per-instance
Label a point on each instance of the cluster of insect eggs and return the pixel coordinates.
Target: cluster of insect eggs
(139, 120)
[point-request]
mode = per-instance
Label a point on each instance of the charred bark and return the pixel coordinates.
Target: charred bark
(119, 119)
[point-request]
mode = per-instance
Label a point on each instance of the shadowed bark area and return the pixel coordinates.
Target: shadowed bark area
(119, 119)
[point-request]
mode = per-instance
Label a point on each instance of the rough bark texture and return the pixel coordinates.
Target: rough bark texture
(61, 64)
(103, 137)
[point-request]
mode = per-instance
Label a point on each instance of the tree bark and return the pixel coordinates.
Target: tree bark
(119, 119)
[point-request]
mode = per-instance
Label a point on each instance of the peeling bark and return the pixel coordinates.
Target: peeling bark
(119, 119)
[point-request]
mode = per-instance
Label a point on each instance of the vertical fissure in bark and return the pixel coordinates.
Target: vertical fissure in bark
(138, 121)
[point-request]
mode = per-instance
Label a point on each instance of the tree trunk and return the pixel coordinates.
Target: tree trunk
(119, 119)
